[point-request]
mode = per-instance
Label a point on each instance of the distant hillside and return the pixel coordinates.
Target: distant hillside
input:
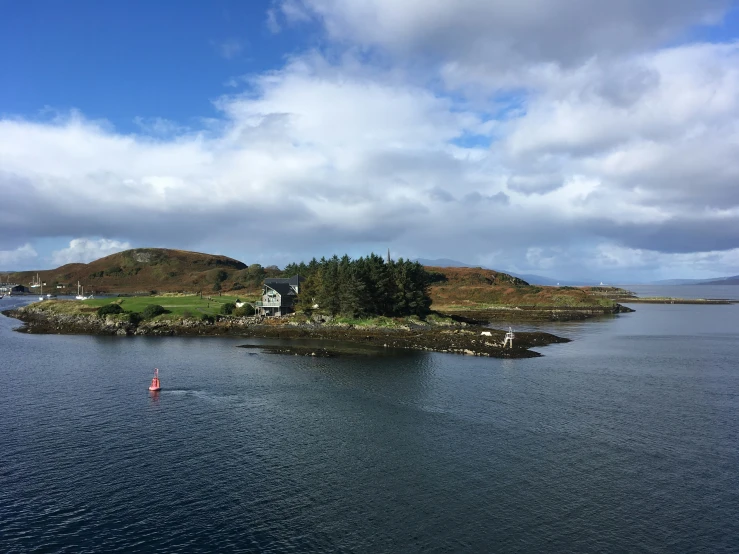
(441, 262)
(670, 282)
(538, 279)
(725, 281)
(734, 280)
(147, 269)
(529, 278)
(474, 287)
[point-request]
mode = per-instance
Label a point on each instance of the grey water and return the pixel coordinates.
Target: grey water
(724, 292)
(624, 439)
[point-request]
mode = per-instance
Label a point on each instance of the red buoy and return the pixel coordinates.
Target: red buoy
(155, 386)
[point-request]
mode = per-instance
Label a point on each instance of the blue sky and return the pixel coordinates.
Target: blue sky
(122, 60)
(592, 140)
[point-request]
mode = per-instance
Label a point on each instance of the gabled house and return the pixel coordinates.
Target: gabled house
(278, 296)
(11, 288)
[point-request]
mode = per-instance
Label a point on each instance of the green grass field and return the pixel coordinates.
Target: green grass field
(178, 306)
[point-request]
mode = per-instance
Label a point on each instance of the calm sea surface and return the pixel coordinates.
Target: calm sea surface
(728, 292)
(625, 439)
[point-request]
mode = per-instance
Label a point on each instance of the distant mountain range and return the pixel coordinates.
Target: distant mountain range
(734, 280)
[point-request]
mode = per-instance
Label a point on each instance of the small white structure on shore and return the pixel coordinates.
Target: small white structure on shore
(509, 336)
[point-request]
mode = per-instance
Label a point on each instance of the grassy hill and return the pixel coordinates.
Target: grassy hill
(151, 269)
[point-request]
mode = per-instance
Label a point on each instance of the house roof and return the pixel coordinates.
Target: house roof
(282, 286)
(295, 280)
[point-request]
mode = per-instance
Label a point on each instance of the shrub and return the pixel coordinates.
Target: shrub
(217, 287)
(109, 309)
(245, 310)
(153, 310)
(237, 286)
(205, 318)
(436, 277)
(228, 308)
(134, 318)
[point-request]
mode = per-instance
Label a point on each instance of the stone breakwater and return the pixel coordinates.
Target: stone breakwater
(460, 338)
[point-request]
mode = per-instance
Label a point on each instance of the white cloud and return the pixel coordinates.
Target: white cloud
(332, 147)
(294, 11)
(698, 264)
(681, 90)
(500, 34)
(15, 259)
(666, 160)
(630, 148)
(86, 250)
(159, 126)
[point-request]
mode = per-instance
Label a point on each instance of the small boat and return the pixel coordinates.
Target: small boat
(155, 386)
(82, 295)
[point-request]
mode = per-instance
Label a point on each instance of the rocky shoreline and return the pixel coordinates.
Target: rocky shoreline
(457, 338)
(534, 313)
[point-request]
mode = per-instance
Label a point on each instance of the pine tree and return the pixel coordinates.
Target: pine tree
(365, 286)
(309, 292)
(328, 297)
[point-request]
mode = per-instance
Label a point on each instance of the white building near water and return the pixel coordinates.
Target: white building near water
(278, 296)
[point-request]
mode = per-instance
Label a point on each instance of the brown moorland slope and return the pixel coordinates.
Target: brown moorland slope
(149, 269)
(457, 288)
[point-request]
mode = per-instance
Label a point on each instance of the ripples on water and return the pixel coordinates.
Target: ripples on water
(623, 440)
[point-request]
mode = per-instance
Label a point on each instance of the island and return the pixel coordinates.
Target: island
(369, 300)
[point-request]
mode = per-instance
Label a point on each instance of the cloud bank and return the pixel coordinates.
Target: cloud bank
(10, 260)
(86, 250)
(483, 131)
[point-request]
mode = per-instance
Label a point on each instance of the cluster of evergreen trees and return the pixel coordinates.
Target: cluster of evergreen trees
(363, 287)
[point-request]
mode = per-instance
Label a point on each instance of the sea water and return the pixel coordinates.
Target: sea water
(623, 440)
